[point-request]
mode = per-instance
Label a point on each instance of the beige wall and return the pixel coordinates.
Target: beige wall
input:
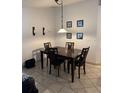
(38, 18)
(98, 53)
(50, 19)
(88, 11)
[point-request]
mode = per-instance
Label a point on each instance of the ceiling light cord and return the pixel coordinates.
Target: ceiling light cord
(61, 14)
(61, 4)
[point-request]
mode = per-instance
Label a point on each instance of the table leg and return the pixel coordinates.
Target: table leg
(41, 53)
(72, 70)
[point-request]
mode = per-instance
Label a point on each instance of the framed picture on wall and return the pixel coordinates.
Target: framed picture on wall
(79, 35)
(80, 23)
(69, 35)
(69, 24)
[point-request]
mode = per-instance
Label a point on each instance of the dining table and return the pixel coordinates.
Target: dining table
(65, 53)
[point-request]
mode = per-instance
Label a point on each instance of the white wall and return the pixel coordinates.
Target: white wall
(88, 11)
(50, 18)
(38, 18)
(98, 45)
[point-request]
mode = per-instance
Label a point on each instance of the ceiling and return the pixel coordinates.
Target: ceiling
(46, 3)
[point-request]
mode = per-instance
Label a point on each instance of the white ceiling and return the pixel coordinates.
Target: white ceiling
(46, 3)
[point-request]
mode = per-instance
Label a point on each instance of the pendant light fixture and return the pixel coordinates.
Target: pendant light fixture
(60, 2)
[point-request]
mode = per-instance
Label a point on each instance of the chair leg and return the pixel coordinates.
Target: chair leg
(74, 66)
(68, 65)
(50, 68)
(47, 61)
(58, 71)
(64, 67)
(84, 68)
(79, 72)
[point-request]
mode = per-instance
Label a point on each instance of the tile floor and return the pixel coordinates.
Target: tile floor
(50, 83)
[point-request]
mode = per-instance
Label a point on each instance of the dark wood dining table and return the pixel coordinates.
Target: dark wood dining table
(66, 54)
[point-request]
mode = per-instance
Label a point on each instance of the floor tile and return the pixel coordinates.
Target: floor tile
(79, 90)
(91, 90)
(50, 83)
(87, 83)
(76, 85)
(66, 90)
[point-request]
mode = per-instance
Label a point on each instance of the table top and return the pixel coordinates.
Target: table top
(65, 52)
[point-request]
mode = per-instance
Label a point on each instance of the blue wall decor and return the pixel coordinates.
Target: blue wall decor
(80, 23)
(79, 35)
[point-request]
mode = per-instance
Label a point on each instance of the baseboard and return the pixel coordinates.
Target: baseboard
(93, 63)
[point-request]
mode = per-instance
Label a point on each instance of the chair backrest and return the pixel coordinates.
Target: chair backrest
(69, 45)
(47, 45)
(84, 52)
(53, 50)
(80, 59)
(53, 55)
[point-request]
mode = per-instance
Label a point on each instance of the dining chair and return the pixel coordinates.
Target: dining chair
(46, 46)
(69, 45)
(55, 59)
(80, 60)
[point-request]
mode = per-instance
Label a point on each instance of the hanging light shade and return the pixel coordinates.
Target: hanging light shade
(62, 31)
(60, 2)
